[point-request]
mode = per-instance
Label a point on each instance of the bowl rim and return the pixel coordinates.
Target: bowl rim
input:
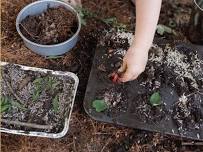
(72, 9)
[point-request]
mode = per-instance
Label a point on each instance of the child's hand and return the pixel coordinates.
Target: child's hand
(134, 64)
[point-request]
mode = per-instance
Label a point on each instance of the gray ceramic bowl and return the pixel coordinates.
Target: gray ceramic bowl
(47, 50)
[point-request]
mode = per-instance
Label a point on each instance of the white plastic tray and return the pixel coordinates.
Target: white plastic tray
(67, 120)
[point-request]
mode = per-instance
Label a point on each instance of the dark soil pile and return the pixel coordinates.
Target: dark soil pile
(37, 98)
(188, 113)
(53, 26)
(116, 99)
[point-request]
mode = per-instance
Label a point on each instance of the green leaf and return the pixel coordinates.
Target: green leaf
(55, 85)
(55, 103)
(84, 14)
(38, 81)
(155, 99)
(99, 105)
(5, 108)
(83, 22)
(36, 95)
(111, 20)
(5, 104)
(162, 29)
(18, 105)
(114, 22)
(51, 83)
(44, 84)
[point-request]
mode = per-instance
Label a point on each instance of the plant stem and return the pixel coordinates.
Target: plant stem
(30, 125)
(33, 36)
(192, 144)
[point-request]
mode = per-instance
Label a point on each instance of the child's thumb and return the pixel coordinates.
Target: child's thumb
(126, 76)
(123, 68)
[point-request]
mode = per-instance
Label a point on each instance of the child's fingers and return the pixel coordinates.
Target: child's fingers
(127, 76)
(122, 68)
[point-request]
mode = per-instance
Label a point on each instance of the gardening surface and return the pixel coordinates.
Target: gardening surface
(166, 97)
(86, 134)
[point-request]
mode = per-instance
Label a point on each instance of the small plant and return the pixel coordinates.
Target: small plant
(55, 103)
(99, 105)
(162, 29)
(114, 22)
(84, 14)
(5, 104)
(17, 105)
(155, 99)
(44, 84)
(51, 83)
(38, 84)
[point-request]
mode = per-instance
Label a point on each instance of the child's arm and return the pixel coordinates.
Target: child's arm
(134, 62)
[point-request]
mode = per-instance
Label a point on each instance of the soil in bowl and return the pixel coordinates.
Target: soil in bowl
(53, 26)
(34, 101)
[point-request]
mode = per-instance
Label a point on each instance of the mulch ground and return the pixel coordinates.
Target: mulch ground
(87, 135)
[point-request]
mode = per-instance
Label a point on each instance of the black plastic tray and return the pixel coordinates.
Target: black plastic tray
(165, 126)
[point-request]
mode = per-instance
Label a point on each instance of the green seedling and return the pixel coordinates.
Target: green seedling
(18, 105)
(38, 84)
(155, 99)
(110, 21)
(55, 103)
(114, 22)
(162, 29)
(5, 104)
(84, 14)
(52, 83)
(44, 84)
(99, 105)
(36, 95)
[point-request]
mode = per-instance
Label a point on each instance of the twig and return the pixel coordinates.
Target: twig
(33, 36)
(200, 92)
(196, 92)
(69, 144)
(106, 144)
(100, 133)
(88, 148)
(93, 126)
(192, 143)
(74, 146)
(30, 125)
